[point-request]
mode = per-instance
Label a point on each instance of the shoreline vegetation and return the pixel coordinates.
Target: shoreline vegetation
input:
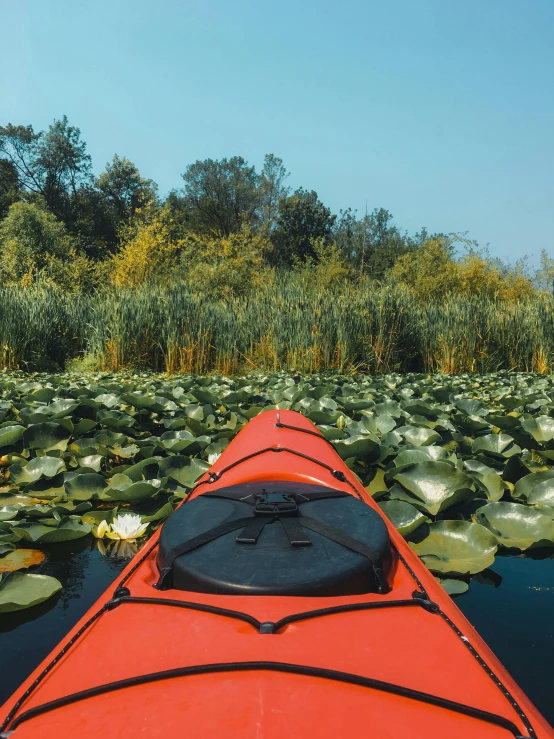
(283, 327)
(234, 272)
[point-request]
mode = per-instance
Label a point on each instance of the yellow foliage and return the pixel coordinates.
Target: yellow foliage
(478, 276)
(432, 273)
(429, 271)
(227, 266)
(149, 250)
(327, 270)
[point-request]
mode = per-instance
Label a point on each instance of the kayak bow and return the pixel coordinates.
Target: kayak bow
(276, 601)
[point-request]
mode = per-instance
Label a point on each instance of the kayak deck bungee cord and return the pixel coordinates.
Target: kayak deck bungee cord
(275, 601)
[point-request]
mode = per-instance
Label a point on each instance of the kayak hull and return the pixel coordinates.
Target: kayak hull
(152, 662)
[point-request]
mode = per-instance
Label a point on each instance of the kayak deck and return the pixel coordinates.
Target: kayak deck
(148, 662)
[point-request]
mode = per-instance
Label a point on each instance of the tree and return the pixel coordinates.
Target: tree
(148, 251)
(93, 223)
(18, 145)
(124, 189)
(53, 164)
(373, 243)
(221, 196)
(272, 190)
(432, 272)
(544, 277)
(302, 220)
(9, 186)
(226, 266)
(30, 238)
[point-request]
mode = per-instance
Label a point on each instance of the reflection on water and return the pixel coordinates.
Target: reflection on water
(511, 605)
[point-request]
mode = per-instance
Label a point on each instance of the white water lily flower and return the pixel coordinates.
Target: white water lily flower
(126, 526)
(212, 458)
(101, 530)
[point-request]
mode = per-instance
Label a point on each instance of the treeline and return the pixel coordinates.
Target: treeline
(228, 232)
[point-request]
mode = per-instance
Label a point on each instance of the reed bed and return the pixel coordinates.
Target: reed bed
(175, 329)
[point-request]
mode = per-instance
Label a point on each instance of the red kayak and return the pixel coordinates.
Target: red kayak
(275, 602)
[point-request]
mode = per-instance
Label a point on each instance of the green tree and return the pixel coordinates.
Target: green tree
(373, 243)
(124, 189)
(9, 186)
(52, 164)
(302, 220)
(272, 190)
(221, 197)
(30, 240)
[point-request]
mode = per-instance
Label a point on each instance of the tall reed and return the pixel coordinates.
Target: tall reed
(372, 329)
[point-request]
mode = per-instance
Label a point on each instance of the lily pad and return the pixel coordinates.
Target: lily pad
(540, 428)
(23, 590)
(453, 587)
(536, 488)
(92, 461)
(517, 526)
(85, 486)
(360, 447)
(35, 470)
(9, 435)
(123, 488)
(404, 516)
(21, 559)
(455, 547)
(39, 533)
(184, 470)
(499, 446)
(8, 512)
(46, 436)
(419, 435)
(433, 485)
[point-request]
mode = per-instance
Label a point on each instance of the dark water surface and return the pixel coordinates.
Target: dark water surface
(511, 606)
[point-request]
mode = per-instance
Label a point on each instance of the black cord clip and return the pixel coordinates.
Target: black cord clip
(424, 602)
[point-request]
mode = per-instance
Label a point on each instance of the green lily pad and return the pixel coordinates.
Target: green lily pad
(165, 511)
(377, 487)
(35, 470)
(404, 516)
(61, 408)
(419, 435)
(9, 435)
(123, 488)
(23, 590)
(91, 461)
(138, 400)
(41, 534)
(517, 526)
(453, 587)
(360, 447)
(8, 512)
(85, 486)
(433, 486)
(46, 436)
(43, 394)
(455, 547)
(184, 470)
(499, 446)
(540, 428)
(536, 488)
(491, 483)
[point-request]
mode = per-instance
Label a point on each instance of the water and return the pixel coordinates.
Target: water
(511, 606)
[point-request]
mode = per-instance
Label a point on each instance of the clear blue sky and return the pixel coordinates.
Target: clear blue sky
(440, 111)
